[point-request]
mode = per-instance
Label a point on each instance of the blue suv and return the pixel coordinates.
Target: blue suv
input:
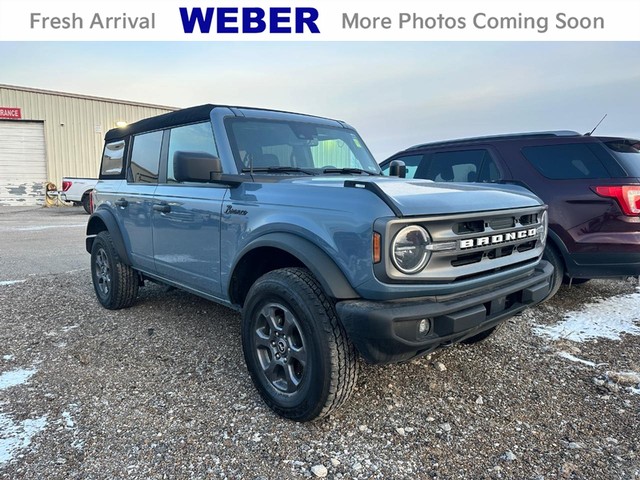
(287, 219)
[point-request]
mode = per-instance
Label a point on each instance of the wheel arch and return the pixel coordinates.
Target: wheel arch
(100, 221)
(554, 240)
(280, 250)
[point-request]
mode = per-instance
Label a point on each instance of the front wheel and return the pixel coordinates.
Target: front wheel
(554, 258)
(297, 352)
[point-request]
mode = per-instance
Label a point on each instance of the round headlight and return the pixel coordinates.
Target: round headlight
(409, 249)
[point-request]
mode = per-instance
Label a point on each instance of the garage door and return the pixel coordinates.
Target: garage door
(23, 167)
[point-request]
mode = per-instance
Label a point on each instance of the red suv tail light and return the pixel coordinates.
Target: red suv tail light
(628, 196)
(66, 185)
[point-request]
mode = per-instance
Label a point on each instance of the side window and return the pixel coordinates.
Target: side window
(411, 161)
(564, 162)
(460, 166)
(112, 159)
(489, 171)
(190, 138)
(145, 158)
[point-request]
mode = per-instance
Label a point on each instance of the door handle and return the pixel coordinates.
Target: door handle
(121, 203)
(162, 207)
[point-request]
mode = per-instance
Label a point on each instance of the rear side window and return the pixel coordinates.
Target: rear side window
(460, 166)
(566, 162)
(145, 158)
(411, 161)
(627, 152)
(112, 159)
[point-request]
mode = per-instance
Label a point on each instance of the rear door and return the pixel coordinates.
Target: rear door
(134, 200)
(186, 216)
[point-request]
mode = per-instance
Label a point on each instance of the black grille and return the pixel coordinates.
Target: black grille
(529, 219)
(468, 259)
(500, 252)
(502, 223)
(526, 246)
(476, 226)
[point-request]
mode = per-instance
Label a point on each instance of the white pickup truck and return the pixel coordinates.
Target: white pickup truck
(78, 191)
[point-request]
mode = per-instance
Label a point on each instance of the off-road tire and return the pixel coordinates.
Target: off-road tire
(115, 283)
(293, 297)
(554, 257)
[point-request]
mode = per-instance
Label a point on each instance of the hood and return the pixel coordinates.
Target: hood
(424, 197)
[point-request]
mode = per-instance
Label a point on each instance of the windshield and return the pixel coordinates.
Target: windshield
(282, 145)
(628, 153)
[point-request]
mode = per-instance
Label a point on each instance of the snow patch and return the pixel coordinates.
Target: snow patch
(608, 319)
(37, 228)
(71, 327)
(10, 282)
(572, 358)
(17, 436)
(15, 377)
(69, 424)
(8, 358)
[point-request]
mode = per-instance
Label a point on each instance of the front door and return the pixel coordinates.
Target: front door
(186, 216)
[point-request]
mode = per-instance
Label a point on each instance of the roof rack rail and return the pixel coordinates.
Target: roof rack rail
(550, 133)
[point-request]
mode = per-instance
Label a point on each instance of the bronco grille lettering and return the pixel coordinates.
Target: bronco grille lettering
(497, 239)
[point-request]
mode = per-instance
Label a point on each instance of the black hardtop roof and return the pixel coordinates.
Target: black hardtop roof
(184, 116)
(505, 136)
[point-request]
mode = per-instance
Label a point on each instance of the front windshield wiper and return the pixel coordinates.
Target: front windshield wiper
(347, 171)
(279, 169)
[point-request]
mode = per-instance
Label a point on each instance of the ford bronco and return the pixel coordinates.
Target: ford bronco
(287, 219)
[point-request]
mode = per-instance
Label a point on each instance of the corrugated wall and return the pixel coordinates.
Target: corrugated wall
(74, 126)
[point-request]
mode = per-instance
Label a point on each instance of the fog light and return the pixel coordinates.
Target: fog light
(423, 327)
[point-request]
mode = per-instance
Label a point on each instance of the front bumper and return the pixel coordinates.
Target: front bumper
(387, 332)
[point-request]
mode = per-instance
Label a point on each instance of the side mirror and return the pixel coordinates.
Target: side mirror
(196, 167)
(397, 168)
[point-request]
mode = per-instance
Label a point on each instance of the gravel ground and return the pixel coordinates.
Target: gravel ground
(160, 390)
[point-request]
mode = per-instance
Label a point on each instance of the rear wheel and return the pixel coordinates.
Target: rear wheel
(115, 283)
(297, 353)
(86, 202)
(552, 255)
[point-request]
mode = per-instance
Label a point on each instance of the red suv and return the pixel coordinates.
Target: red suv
(591, 184)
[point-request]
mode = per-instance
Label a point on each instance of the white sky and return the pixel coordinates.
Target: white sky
(395, 94)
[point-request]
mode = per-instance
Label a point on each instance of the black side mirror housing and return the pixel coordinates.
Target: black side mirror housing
(397, 168)
(196, 167)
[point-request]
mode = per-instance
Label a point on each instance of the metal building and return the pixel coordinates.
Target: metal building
(46, 135)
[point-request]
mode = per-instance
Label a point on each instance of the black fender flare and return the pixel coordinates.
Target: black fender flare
(554, 240)
(321, 265)
(105, 217)
(557, 242)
